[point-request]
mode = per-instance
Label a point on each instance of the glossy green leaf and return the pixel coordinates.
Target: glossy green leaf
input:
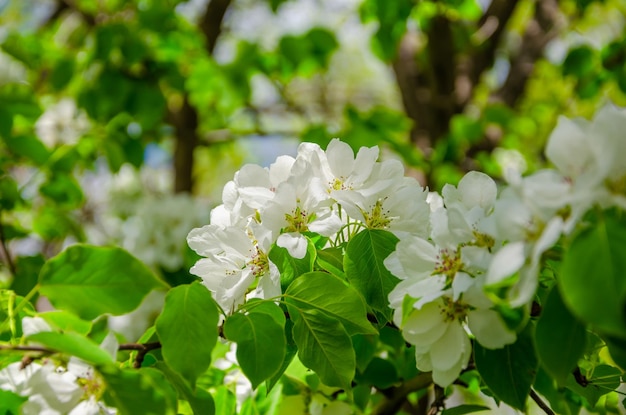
(200, 401)
(27, 273)
(90, 281)
(269, 308)
(187, 329)
(331, 260)
(324, 346)
(328, 293)
(464, 409)
(365, 347)
(10, 402)
(597, 255)
(261, 344)
(363, 263)
(603, 380)
(559, 338)
(225, 401)
(291, 268)
(73, 344)
(144, 391)
(509, 372)
(28, 146)
(380, 373)
(8, 302)
(65, 321)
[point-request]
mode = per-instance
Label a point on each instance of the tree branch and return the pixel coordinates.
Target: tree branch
(142, 349)
(185, 118)
(541, 403)
(397, 395)
(438, 404)
(540, 30)
(5, 251)
(486, 40)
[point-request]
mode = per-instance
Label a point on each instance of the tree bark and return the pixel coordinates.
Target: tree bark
(185, 118)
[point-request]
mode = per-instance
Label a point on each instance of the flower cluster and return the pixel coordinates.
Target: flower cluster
(321, 192)
(53, 388)
(462, 256)
(485, 249)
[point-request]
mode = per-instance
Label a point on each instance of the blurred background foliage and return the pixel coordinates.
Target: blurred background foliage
(179, 94)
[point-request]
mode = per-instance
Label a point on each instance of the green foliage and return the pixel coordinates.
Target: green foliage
(187, 329)
(143, 75)
(464, 409)
(595, 255)
(91, 281)
(324, 346)
(560, 338)
(261, 344)
(142, 391)
(509, 372)
(363, 263)
(332, 296)
(10, 402)
(291, 268)
(73, 344)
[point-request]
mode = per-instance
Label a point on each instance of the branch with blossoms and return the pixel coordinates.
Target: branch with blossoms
(333, 276)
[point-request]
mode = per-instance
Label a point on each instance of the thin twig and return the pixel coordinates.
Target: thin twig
(5, 251)
(142, 349)
(541, 403)
(39, 349)
(438, 404)
(396, 396)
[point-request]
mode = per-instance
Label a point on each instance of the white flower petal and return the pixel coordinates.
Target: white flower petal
(294, 243)
(506, 262)
(489, 329)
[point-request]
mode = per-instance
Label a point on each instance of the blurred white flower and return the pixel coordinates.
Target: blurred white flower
(62, 123)
(157, 230)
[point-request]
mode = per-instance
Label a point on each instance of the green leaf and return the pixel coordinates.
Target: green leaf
(559, 338)
(365, 347)
(8, 302)
(291, 268)
(380, 373)
(261, 344)
(328, 293)
(617, 349)
(144, 391)
(28, 146)
(90, 281)
(597, 254)
(201, 401)
(269, 308)
(365, 270)
(27, 273)
(63, 189)
(324, 346)
(10, 402)
(604, 380)
(579, 62)
(331, 260)
(6, 122)
(225, 401)
(65, 321)
(509, 372)
(187, 329)
(73, 344)
(464, 409)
